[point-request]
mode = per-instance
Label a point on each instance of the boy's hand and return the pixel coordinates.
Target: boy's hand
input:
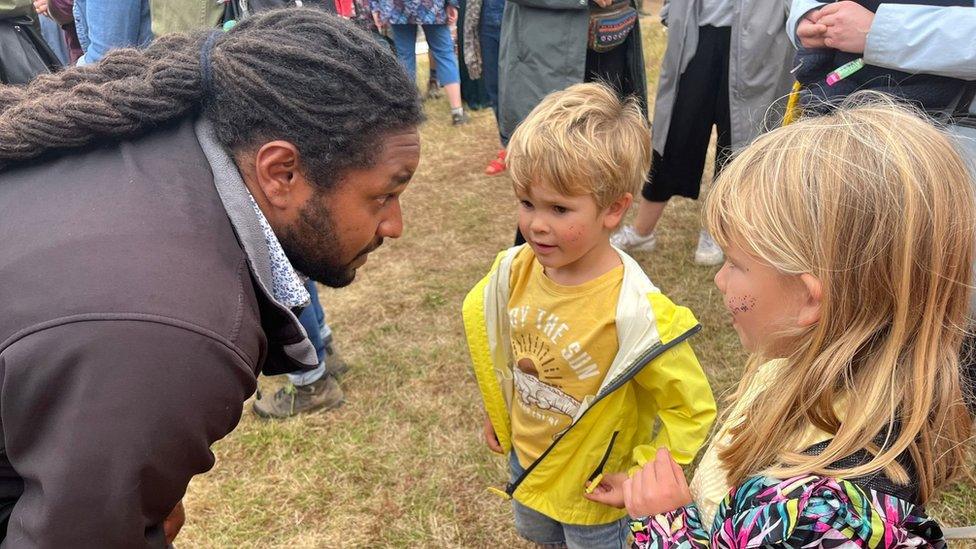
(491, 438)
(659, 487)
(610, 490)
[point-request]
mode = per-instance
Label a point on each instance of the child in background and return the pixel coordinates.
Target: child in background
(576, 352)
(849, 240)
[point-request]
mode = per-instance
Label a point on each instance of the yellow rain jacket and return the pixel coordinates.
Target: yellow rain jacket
(655, 374)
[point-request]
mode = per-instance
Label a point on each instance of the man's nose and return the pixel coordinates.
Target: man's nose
(392, 226)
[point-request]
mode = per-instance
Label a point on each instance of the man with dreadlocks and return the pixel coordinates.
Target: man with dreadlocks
(156, 209)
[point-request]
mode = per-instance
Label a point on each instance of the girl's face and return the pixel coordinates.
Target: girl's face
(766, 305)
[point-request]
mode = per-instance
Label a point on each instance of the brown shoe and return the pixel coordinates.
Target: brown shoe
(292, 400)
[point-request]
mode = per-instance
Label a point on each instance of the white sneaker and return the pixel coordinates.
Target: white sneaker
(628, 240)
(708, 253)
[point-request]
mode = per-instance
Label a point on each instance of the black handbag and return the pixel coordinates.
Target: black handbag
(23, 52)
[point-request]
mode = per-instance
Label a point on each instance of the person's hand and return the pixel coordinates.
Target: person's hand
(847, 24)
(40, 6)
(174, 522)
(603, 3)
(378, 20)
(610, 490)
(491, 439)
(452, 15)
(810, 31)
(659, 487)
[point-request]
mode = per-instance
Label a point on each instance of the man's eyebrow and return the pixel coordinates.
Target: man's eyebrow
(401, 178)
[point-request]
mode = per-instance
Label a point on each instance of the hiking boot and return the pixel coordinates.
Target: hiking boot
(292, 400)
(628, 240)
(708, 253)
(459, 118)
(334, 364)
(497, 165)
(434, 90)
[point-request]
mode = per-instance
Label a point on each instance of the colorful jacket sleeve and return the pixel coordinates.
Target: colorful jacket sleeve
(678, 385)
(799, 512)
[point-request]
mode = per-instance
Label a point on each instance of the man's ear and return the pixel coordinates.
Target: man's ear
(278, 175)
(812, 300)
(615, 212)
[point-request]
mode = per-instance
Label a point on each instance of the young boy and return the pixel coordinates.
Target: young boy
(575, 351)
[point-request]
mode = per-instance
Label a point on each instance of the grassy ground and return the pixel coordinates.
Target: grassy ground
(402, 464)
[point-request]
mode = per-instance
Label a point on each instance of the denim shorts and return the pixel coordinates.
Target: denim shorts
(538, 528)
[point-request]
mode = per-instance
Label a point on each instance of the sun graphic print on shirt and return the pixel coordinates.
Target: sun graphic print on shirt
(563, 340)
(533, 364)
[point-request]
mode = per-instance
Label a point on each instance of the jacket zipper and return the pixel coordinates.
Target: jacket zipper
(629, 374)
(606, 456)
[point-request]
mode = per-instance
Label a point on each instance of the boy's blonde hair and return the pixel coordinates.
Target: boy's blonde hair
(582, 141)
(878, 205)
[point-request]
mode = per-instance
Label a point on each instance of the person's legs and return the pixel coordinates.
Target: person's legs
(531, 524)
(679, 170)
(433, 88)
(405, 39)
(708, 253)
(442, 47)
(490, 36)
(602, 536)
(315, 389)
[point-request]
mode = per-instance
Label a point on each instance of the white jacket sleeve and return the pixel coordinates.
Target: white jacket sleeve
(923, 39)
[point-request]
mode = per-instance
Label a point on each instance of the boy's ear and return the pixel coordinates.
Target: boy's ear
(615, 212)
(810, 308)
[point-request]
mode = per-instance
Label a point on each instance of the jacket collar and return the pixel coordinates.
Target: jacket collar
(246, 221)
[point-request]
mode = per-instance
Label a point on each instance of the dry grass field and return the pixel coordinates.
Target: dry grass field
(402, 464)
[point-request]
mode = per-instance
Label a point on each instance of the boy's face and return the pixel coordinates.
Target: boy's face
(563, 231)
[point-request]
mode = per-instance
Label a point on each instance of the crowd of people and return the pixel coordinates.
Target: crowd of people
(225, 157)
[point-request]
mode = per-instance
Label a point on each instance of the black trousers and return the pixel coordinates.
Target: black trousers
(701, 101)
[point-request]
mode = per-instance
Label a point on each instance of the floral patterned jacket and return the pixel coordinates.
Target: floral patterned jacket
(413, 12)
(809, 511)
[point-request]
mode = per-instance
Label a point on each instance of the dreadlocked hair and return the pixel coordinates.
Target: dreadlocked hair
(299, 75)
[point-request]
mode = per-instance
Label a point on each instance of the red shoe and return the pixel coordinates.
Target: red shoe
(497, 165)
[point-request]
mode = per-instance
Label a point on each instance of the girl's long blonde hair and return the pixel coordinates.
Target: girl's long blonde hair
(878, 205)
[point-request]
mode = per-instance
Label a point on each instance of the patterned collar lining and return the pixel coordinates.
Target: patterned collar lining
(287, 285)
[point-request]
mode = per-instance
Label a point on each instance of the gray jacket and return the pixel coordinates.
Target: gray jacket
(135, 321)
(543, 49)
(759, 66)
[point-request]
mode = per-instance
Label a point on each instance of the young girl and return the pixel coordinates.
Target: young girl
(849, 241)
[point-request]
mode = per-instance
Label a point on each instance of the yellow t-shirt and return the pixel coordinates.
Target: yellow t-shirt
(564, 339)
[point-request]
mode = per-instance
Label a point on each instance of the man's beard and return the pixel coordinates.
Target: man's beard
(312, 245)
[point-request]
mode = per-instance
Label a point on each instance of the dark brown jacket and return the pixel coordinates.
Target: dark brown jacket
(133, 323)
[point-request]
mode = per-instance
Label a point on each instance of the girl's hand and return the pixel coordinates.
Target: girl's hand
(452, 15)
(491, 439)
(610, 490)
(658, 488)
